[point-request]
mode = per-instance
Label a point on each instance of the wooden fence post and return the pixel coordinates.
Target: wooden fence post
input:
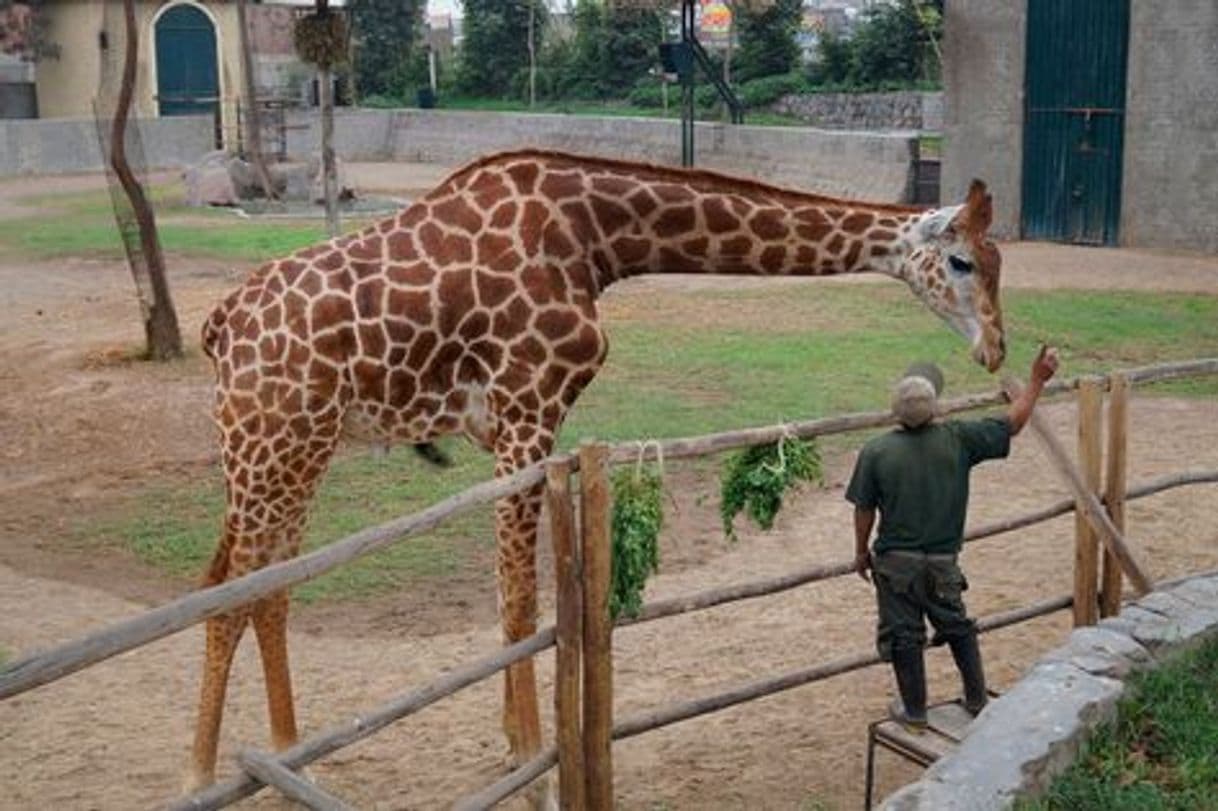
(567, 565)
(1086, 540)
(598, 652)
(1114, 487)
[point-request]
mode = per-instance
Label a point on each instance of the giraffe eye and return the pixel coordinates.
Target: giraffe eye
(960, 265)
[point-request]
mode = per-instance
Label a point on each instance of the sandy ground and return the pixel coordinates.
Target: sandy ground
(81, 429)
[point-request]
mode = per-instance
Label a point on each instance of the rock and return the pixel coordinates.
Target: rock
(245, 179)
(210, 187)
(207, 182)
(317, 187)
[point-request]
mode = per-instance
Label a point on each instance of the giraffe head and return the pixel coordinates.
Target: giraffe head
(953, 266)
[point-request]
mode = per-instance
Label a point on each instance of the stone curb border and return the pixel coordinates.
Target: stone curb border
(1024, 739)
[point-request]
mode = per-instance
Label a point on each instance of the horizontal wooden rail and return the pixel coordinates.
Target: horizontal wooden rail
(731, 440)
(509, 784)
(654, 719)
(811, 574)
(360, 727)
(195, 607)
(293, 786)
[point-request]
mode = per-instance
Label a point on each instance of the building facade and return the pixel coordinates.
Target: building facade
(1094, 121)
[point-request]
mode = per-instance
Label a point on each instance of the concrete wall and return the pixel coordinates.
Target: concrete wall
(57, 146)
(983, 81)
(1170, 186)
(904, 110)
(67, 85)
(861, 165)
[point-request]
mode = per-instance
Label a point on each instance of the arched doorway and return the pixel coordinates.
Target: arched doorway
(187, 79)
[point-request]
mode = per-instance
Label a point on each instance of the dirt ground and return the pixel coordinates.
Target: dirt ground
(82, 428)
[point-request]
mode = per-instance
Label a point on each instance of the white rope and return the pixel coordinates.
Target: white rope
(787, 433)
(643, 446)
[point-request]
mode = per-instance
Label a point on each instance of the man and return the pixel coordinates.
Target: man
(917, 476)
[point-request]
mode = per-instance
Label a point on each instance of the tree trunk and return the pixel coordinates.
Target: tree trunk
(253, 122)
(532, 55)
(160, 320)
(325, 98)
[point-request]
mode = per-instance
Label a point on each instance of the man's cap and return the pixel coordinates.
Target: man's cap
(929, 371)
(915, 396)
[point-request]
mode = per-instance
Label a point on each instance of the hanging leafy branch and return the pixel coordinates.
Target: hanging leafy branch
(755, 480)
(635, 527)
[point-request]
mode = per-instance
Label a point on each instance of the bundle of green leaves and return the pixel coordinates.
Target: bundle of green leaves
(636, 521)
(755, 480)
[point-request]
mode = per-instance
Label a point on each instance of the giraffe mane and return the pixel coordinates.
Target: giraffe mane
(681, 175)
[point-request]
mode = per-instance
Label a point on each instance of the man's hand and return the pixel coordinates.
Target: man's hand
(862, 565)
(1045, 365)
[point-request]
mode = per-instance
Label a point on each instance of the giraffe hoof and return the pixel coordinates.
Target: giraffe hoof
(196, 781)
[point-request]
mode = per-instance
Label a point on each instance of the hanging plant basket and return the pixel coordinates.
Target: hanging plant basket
(321, 39)
(755, 480)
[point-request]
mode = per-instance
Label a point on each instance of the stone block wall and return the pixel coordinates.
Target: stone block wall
(1037, 729)
(62, 145)
(865, 166)
(905, 110)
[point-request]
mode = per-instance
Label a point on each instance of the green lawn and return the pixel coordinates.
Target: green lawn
(1159, 755)
(81, 224)
(664, 379)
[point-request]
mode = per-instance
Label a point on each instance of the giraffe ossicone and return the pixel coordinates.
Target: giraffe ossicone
(473, 312)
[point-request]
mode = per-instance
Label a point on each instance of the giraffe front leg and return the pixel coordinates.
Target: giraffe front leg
(516, 527)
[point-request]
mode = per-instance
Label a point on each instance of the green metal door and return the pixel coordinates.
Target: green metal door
(187, 81)
(1074, 119)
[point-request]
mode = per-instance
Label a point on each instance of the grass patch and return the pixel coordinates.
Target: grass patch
(1159, 753)
(673, 371)
(81, 224)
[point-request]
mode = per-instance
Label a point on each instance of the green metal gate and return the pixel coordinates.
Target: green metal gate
(186, 76)
(1074, 119)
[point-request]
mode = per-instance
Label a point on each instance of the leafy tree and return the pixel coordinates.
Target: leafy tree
(895, 44)
(614, 45)
(496, 45)
(388, 44)
(766, 34)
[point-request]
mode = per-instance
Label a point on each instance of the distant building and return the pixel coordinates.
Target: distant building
(1092, 123)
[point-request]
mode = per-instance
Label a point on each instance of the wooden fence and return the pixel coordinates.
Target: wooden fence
(582, 634)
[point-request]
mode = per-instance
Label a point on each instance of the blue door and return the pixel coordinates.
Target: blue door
(186, 76)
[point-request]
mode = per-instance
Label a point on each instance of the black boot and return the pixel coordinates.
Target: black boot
(910, 670)
(968, 661)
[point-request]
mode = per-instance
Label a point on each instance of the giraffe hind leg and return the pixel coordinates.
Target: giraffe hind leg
(223, 634)
(269, 618)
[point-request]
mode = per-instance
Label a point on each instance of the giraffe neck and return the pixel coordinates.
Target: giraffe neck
(752, 234)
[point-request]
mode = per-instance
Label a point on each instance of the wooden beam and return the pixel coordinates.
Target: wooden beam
(1092, 509)
(569, 610)
(1086, 539)
(186, 611)
(598, 628)
(360, 727)
(293, 786)
(656, 718)
(1114, 488)
(510, 783)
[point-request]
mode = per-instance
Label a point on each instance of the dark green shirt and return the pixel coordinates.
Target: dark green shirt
(919, 480)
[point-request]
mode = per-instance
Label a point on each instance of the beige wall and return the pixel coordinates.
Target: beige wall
(68, 85)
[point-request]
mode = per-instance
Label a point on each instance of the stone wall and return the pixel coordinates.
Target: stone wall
(905, 110)
(1036, 730)
(983, 73)
(867, 166)
(61, 145)
(1169, 193)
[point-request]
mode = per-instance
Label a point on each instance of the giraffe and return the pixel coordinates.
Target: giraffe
(473, 311)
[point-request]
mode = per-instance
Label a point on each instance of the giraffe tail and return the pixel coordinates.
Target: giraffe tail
(213, 333)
